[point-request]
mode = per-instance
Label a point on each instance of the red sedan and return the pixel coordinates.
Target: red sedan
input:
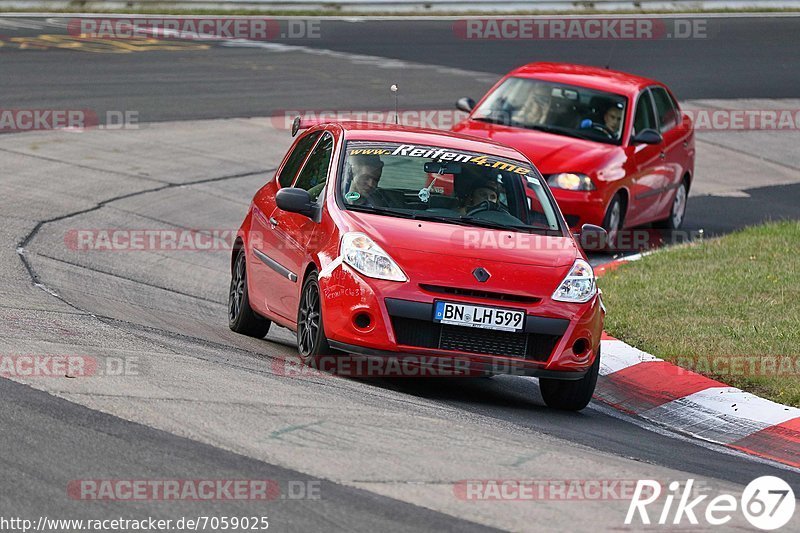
(387, 241)
(614, 147)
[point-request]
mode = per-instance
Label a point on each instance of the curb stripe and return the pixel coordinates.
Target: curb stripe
(644, 386)
(617, 356)
(641, 384)
(779, 443)
(720, 414)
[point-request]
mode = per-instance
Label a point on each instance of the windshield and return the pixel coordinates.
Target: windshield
(446, 185)
(555, 108)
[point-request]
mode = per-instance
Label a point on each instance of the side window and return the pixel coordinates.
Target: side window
(298, 155)
(315, 172)
(644, 117)
(667, 116)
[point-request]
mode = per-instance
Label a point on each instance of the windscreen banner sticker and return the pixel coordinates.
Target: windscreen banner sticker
(442, 154)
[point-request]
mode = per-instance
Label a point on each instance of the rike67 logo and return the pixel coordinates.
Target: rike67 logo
(767, 503)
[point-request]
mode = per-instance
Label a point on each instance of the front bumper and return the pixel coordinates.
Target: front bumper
(400, 322)
(581, 207)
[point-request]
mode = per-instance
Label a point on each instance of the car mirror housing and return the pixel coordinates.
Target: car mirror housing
(647, 136)
(465, 104)
(295, 200)
(592, 237)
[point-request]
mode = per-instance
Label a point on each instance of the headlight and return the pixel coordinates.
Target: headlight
(571, 181)
(579, 285)
(361, 253)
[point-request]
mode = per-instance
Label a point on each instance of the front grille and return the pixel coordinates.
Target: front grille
(488, 295)
(429, 334)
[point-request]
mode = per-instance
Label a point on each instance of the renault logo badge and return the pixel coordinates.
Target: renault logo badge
(481, 274)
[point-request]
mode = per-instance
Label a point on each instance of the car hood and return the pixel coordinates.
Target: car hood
(434, 254)
(550, 152)
(449, 240)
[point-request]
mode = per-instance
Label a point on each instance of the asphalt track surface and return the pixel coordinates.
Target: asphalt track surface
(739, 58)
(57, 440)
(48, 440)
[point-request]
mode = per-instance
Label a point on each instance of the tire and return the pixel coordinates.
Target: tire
(677, 212)
(241, 317)
(614, 219)
(311, 340)
(571, 395)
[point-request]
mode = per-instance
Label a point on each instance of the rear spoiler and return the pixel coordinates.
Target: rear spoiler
(301, 123)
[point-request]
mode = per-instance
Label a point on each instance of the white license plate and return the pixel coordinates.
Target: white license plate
(478, 316)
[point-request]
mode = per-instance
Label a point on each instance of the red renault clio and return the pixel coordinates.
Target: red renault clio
(385, 241)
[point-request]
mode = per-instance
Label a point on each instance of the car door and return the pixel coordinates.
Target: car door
(674, 132)
(267, 283)
(645, 164)
(292, 231)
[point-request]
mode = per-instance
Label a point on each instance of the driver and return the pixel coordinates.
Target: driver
(485, 191)
(612, 119)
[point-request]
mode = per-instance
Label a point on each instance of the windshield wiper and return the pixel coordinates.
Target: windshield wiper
(383, 210)
(474, 221)
(537, 127)
(558, 131)
(492, 120)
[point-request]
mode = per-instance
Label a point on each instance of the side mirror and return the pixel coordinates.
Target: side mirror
(465, 104)
(295, 200)
(592, 237)
(647, 136)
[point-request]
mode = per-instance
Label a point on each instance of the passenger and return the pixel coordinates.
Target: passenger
(536, 106)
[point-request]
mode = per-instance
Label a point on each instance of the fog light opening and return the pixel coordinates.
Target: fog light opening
(362, 321)
(580, 347)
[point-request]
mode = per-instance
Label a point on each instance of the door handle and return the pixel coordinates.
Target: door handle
(685, 144)
(662, 155)
(273, 222)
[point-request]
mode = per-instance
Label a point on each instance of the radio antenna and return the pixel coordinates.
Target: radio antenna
(393, 88)
(610, 54)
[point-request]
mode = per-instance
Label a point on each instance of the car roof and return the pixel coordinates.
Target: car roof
(585, 76)
(372, 131)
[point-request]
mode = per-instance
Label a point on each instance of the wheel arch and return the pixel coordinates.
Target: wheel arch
(687, 178)
(238, 245)
(312, 266)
